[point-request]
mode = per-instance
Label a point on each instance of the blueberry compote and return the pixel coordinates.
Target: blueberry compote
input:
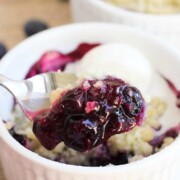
(86, 116)
(54, 60)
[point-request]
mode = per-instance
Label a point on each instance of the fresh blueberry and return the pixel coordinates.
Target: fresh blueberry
(34, 26)
(3, 50)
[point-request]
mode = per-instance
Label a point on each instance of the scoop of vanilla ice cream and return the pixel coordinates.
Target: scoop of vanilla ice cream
(117, 60)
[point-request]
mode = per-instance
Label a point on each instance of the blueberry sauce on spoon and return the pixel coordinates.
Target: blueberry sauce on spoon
(89, 114)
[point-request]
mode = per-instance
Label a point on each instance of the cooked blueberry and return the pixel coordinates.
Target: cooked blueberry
(34, 26)
(20, 138)
(89, 114)
(119, 158)
(101, 157)
(3, 50)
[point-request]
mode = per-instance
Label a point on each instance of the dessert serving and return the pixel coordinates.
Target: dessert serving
(93, 123)
(149, 6)
(151, 147)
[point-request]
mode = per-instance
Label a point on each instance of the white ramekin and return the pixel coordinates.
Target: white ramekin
(22, 164)
(167, 26)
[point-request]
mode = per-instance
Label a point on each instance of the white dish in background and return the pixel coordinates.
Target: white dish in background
(20, 163)
(165, 25)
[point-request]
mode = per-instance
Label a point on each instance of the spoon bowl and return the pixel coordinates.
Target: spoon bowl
(33, 94)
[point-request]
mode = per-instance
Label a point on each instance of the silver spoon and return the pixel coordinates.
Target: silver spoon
(33, 94)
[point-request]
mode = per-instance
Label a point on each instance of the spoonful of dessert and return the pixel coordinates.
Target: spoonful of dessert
(82, 113)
